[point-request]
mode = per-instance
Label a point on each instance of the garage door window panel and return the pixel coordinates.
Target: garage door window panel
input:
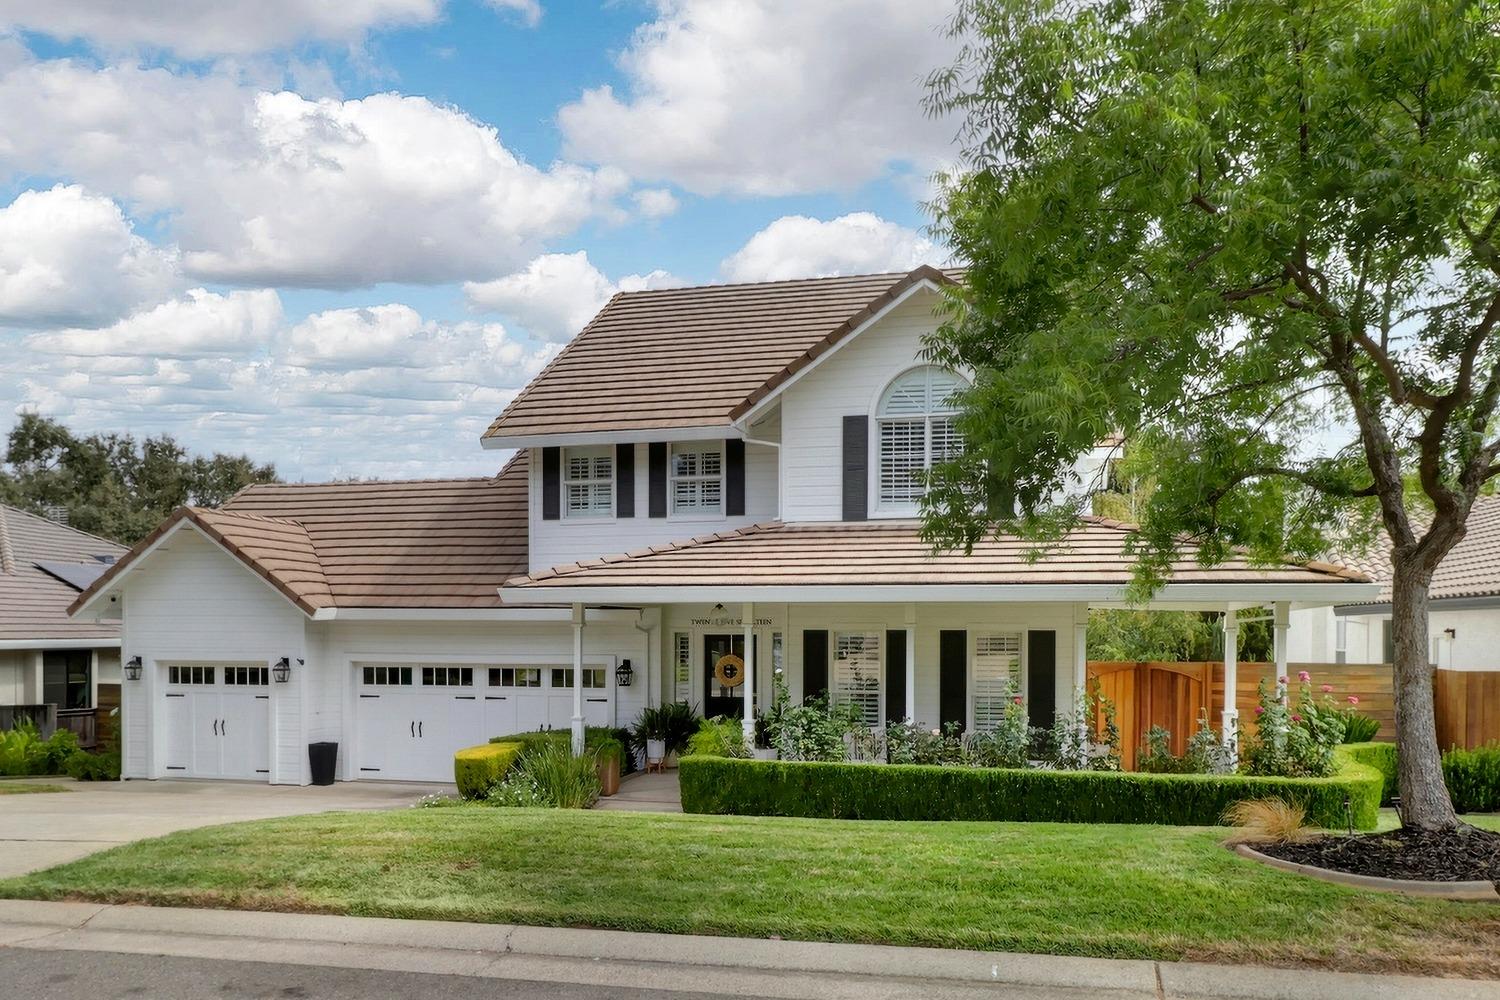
(444, 676)
(387, 676)
(516, 677)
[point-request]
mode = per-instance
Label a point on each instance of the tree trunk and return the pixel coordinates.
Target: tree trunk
(1424, 795)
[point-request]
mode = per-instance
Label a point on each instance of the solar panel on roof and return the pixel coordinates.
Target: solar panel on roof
(76, 575)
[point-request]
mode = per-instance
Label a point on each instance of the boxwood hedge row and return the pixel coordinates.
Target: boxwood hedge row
(918, 792)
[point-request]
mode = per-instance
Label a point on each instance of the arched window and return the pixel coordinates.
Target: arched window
(914, 424)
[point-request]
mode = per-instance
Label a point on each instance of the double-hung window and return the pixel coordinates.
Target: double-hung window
(697, 472)
(997, 676)
(914, 427)
(856, 673)
(589, 481)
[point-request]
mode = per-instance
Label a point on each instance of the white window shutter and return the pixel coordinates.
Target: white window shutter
(997, 675)
(856, 673)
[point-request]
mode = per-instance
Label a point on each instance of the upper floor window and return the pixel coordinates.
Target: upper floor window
(697, 473)
(589, 481)
(914, 425)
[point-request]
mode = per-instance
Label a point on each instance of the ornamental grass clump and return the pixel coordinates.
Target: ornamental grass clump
(1268, 821)
(548, 775)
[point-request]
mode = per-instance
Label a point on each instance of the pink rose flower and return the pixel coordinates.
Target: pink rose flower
(1281, 680)
(1016, 699)
(1353, 700)
(1296, 718)
(1260, 710)
(1304, 676)
(1327, 688)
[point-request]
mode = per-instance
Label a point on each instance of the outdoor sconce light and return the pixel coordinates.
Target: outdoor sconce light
(624, 674)
(133, 669)
(283, 670)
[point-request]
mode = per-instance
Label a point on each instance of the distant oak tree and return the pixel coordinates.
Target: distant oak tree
(1258, 239)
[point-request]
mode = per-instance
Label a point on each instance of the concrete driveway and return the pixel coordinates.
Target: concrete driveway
(45, 829)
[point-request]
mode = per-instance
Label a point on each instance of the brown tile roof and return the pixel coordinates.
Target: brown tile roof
(431, 543)
(1470, 569)
(33, 602)
(694, 357)
(892, 553)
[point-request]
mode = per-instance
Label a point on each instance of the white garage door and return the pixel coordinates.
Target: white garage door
(218, 720)
(412, 717)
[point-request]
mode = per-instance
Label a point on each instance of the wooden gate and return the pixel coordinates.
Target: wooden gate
(1170, 695)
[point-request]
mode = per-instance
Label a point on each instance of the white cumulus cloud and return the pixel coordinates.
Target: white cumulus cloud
(557, 294)
(200, 324)
(71, 258)
(770, 97)
(796, 246)
(223, 27)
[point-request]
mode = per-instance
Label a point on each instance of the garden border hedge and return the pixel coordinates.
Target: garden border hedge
(922, 792)
(475, 769)
(1472, 775)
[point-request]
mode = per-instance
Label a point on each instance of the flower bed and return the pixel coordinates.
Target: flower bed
(921, 792)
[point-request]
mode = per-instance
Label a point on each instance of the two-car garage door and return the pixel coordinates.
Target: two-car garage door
(412, 717)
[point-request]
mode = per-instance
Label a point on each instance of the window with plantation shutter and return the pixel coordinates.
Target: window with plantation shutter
(697, 474)
(997, 675)
(682, 664)
(914, 427)
(855, 676)
(589, 482)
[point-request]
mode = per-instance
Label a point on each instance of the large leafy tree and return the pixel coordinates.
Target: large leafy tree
(1259, 239)
(110, 484)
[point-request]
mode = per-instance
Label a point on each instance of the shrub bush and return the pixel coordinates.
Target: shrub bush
(477, 769)
(917, 792)
(85, 766)
(1473, 778)
(1380, 756)
(556, 778)
(23, 751)
(719, 738)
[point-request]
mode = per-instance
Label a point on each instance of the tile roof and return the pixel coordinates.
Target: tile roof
(1470, 569)
(694, 357)
(892, 553)
(431, 543)
(33, 602)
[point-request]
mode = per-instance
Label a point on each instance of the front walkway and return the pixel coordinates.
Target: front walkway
(651, 793)
(45, 829)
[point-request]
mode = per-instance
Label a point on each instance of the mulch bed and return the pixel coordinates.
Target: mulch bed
(1464, 855)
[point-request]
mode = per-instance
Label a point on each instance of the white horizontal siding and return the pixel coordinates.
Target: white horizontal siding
(15, 664)
(566, 540)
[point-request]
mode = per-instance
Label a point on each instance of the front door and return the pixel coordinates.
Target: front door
(720, 698)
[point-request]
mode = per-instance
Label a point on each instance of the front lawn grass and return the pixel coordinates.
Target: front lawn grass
(27, 788)
(1118, 891)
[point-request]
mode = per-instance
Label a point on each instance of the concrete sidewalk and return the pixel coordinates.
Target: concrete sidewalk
(722, 966)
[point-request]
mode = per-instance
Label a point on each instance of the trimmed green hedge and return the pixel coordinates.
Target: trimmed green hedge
(1380, 756)
(475, 769)
(917, 792)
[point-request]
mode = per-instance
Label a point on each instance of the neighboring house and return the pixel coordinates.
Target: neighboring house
(46, 657)
(1463, 623)
(701, 471)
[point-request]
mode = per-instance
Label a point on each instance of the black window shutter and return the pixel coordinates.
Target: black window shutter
(734, 478)
(895, 675)
(1041, 677)
(625, 480)
(856, 467)
(656, 454)
(953, 677)
(551, 483)
(814, 662)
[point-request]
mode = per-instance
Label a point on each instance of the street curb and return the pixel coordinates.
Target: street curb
(490, 949)
(1468, 892)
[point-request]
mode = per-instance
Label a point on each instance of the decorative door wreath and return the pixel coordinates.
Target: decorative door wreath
(729, 670)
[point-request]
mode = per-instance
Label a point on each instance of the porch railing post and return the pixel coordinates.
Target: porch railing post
(911, 663)
(1280, 628)
(1230, 720)
(578, 680)
(749, 683)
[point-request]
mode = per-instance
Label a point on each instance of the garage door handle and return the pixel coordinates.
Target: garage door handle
(419, 730)
(600, 701)
(216, 727)
(414, 729)
(223, 727)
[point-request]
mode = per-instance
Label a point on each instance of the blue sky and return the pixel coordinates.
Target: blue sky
(341, 237)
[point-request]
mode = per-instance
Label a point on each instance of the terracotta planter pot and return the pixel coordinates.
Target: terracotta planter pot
(609, 775)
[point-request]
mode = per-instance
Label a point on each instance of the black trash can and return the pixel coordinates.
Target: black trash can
(323, 759)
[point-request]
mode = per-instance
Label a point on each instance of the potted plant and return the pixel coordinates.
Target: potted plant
(665, 731)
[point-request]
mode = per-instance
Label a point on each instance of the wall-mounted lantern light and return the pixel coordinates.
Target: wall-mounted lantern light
(283, 670)
(624, 674)
(133, 669)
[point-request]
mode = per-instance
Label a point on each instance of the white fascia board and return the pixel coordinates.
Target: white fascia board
(79, 643)
(1203, 596)
(648, 435)
(749, 416)
(521, 614)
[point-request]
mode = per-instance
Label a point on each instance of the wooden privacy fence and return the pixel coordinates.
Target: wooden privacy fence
(1175, 695)
(1468, 707)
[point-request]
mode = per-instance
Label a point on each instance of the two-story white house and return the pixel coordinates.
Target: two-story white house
(723, 471)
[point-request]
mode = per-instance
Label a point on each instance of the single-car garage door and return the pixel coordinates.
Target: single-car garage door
(412, 717)
(218, 719)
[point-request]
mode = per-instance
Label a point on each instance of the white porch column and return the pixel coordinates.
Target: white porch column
(578, 680)
(749, 682)
(1229, 722)
(1080, 646)
(1280, 627)
(911, 663)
